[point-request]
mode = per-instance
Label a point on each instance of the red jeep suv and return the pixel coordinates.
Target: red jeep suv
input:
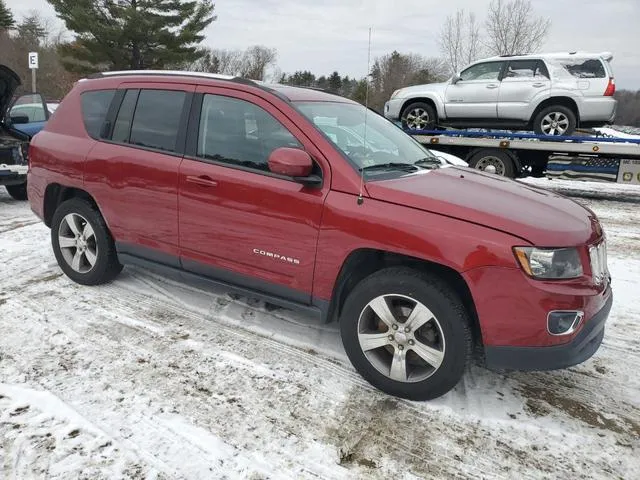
(311, 201)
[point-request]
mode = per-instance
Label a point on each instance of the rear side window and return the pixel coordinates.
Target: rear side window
(156, 120)
(95, 105)
(581, 68)
(527, 69)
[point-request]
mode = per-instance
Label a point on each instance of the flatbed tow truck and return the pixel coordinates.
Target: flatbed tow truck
(592, 156)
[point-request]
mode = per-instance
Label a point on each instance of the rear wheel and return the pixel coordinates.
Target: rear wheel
(494, 161)
(419, 116)
(18, 192)
(555, 120)
(406, 333)
(83, 244)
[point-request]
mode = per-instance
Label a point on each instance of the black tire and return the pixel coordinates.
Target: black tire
(106, 266)
(500, 160)
(438, 297)
(430, 115)
(559, 110)
(17, 192)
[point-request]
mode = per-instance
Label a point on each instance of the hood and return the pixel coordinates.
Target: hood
(538, 216)
(420, 89)
(9, 81)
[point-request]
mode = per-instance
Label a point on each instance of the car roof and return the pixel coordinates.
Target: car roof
(286, 92)
(608, 56)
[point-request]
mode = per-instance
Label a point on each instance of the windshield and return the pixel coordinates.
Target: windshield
(385, 145)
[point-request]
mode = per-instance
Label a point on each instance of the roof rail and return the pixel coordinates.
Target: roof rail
(177, 73)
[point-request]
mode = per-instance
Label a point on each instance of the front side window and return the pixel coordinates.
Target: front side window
(240, 133)
(527, 70)
(156, 120)
(482, 71)
(95, 105)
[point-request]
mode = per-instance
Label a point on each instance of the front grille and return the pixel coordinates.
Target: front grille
(598, 257)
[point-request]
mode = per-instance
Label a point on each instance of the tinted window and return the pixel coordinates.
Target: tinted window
(157, 119)
(482, 71)
(239, 132)
(527, 69)
(122, 127)
(95, 105)
(591, 68)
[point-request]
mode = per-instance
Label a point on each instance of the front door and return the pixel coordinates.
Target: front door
(525, 83)
(475, 95)
(239, 222)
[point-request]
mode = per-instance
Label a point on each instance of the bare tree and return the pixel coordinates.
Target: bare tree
(257, 60)
(514, 28)
(460, 40)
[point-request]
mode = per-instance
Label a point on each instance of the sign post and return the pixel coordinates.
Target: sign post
(33, 65)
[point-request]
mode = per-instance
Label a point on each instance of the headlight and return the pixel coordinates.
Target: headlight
(395, 94)
(549, 263)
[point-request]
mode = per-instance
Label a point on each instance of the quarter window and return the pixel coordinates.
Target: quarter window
(95, 105)
(157, 119)
(482, 71)
(238, 132)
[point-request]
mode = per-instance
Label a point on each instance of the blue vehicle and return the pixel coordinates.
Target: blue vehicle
(17, 126)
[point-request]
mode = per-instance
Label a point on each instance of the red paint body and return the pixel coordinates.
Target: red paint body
(231, 219)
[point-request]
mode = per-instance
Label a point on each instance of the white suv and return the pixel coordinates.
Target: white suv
(549, 93)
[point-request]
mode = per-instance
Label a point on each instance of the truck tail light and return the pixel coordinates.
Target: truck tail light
(611, 88)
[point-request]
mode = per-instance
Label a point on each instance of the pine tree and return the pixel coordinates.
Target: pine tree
(335, 82)
(31, 30)
(133, 34)
(6, 17)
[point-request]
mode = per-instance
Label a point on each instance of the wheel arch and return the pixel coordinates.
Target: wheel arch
(363, 262)
(56, 193)
(425, 99)
(559, 100)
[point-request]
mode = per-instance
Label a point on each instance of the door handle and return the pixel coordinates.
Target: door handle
(202, 180)
(492, 85)
(538, 85)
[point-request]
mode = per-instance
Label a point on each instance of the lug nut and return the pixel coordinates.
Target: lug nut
(407, 329)
(395, 327)
(390, 337)
(400, 347)
(411, 342)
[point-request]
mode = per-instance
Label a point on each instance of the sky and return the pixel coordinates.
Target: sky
(333, 34)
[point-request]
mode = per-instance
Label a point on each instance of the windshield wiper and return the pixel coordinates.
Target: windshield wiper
(390, 166)
(430, 161)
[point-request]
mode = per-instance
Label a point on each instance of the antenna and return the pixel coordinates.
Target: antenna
(366, 113)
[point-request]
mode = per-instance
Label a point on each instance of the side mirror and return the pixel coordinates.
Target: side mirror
(19, 119)
(456, 78)
(294, 163)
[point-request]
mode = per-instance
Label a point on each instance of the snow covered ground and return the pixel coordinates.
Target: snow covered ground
(149, 379)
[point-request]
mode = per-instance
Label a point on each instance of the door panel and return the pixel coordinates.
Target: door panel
(475, 95)
(239, 222)
(526, 83)
(136, 186)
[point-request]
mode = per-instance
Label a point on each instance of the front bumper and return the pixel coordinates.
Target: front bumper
(13, 174)
(581, 348)
(392, 109)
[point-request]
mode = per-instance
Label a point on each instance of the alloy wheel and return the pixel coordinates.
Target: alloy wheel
(77, 242)
(555, 123)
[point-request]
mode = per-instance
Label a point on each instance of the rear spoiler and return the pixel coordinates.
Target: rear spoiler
(608, 56)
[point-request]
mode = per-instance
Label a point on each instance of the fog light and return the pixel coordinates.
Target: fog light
(563, 322)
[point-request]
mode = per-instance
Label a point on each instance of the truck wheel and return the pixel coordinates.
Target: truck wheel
(494, 161)
(83, 244)
(555, 120)
(18, 192)
(419, 116)
(406, 333)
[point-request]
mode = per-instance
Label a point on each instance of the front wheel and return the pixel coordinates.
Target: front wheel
(419, 116)
(17, 192)
(406, 333)
(554, 121)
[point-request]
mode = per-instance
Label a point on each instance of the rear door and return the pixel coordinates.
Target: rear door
(475, 95)
(525, 82)
(133, 171)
